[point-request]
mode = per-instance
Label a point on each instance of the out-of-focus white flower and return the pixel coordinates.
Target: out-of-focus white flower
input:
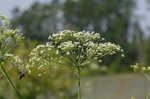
(8, 55)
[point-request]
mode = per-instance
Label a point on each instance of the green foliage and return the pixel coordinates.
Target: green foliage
(38, 21)
(57, 84)
(109, 17)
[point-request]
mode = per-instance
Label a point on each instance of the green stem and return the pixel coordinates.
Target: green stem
(9, 80)
(79, 82)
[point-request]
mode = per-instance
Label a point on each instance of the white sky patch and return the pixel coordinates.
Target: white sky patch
(6, 6)
(142, 12)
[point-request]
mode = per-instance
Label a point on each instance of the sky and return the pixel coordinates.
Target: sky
(142, 11)
(6, 6)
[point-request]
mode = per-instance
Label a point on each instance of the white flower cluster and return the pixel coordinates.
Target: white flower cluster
(102, 49)
(44, 57)
(68, 35)
(8, 38)
(13, 60)
(139, 68)
(70, 47)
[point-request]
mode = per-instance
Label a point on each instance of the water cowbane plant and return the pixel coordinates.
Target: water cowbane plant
(8, 42)
(72, 49)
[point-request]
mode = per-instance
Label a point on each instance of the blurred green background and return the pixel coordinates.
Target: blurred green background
(111, 18)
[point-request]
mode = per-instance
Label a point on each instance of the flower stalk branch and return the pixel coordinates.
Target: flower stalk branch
(9, 80)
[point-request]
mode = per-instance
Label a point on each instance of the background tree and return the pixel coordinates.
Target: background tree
(111, 18)
(39, 20)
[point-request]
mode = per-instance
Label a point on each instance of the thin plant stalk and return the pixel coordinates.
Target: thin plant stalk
(79, 83)
(10, 81)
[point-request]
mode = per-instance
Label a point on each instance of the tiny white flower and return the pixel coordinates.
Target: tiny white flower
(68, 53)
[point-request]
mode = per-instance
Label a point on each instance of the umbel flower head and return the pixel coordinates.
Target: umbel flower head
(70, 48)
(8, 38)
